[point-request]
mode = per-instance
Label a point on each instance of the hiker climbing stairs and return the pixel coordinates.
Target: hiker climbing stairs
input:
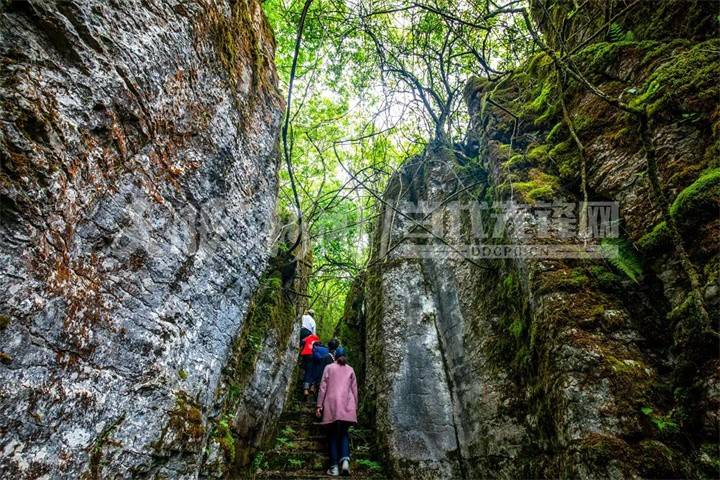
(300, 449)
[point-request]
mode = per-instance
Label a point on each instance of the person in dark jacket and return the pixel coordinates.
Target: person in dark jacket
(322, 357)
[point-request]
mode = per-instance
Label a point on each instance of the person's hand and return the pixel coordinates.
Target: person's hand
(318, 412)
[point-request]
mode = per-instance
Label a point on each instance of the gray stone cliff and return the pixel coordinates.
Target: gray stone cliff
(138, 182)
(559, 368)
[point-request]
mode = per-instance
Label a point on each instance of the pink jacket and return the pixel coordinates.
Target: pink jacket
(338, 395)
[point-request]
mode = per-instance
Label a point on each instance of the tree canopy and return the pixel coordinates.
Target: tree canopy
(375, 81)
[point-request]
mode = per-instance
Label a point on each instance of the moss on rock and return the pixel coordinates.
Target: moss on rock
(540, 187)
(687, 82)
(705, 191)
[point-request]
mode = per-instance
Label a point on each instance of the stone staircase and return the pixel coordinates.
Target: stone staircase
(300, 450)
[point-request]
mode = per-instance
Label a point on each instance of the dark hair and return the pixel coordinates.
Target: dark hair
(341, 356)
(333, 344)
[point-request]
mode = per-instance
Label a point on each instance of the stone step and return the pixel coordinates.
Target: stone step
(314, 427)
(297, 460)
(303, 444)
(300, 450)
(302, 426)
(279, 474)
(308, 414)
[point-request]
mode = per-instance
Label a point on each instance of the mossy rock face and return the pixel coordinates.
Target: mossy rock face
(570, 334)
(563, 279)
(155, 192)
(238, 45)
(656, 239)
(599, 448)
(685, 83)
(697, 202)
(605, 279)
(540, 187)
(660, 20)
(185, 428)
(709, 459)
(262, 355)
(702, 193)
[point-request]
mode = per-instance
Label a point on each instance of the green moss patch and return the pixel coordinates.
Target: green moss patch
(538, 155)
(703, 191)
(516, 162)
(186, 424)
(226, 440)
(556, 132)
(655, 239)
(513, 343)
(604, 278)
(540, 187)
(539, 103)
(566, 159)
(563, 279)
(686, 82)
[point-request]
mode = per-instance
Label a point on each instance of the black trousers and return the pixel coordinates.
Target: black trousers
(304, 332)
(308, 371)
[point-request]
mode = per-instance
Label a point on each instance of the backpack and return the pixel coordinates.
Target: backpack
(320, 352)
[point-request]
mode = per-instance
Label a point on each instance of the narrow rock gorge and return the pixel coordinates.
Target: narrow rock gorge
(162, 230)
(557, 368)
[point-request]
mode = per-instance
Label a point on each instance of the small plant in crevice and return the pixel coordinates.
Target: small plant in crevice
(664, 423)
(296, 463)
(615, 33)
(622, 255)
(224, 436)
(285, 442)
(259, 462)
(369, 465)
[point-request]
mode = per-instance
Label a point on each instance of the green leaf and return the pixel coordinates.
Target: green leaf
(615, 32)
(622, 255)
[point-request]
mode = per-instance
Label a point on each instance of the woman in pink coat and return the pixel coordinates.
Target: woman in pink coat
(337, 405)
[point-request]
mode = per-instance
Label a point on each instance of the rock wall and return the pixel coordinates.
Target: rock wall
(137, 188)
(559, 368)
(257, 377)
(569, 24)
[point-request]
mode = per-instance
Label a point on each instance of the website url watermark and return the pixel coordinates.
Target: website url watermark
(501, 230)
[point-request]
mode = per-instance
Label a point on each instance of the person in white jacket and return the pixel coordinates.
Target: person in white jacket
(308, 324)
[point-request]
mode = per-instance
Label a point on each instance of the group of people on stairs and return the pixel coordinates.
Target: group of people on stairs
(327, 373)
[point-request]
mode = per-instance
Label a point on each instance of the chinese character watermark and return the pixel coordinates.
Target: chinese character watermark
(500, 230)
